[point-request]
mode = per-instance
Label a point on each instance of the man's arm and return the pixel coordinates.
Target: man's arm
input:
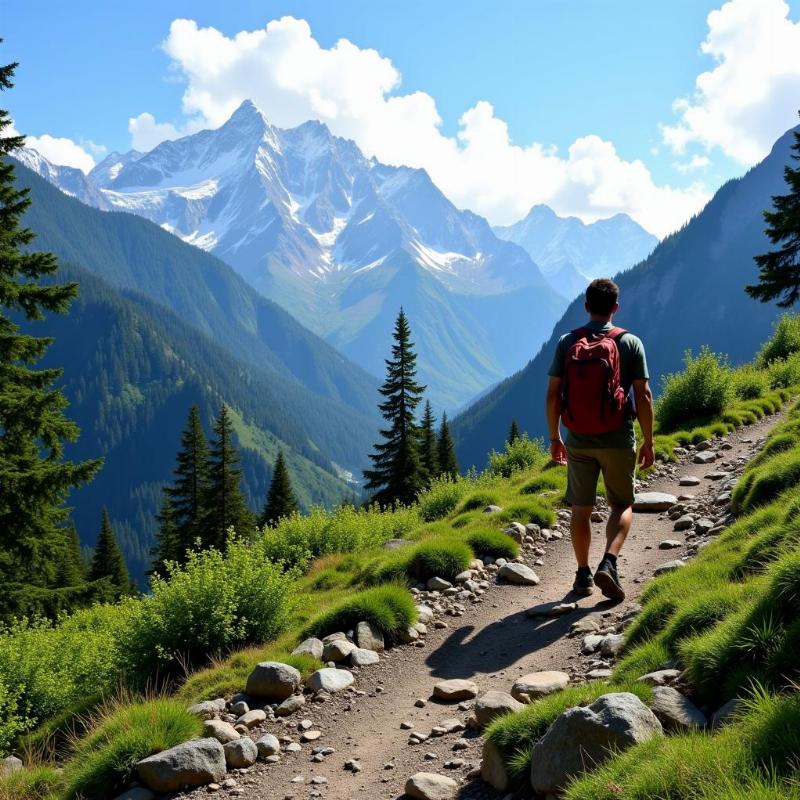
(644, 410)
(553, 405)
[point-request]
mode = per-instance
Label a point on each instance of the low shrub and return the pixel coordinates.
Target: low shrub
(390, 608)
(524, 453)
(491, 542)
(479, 501)
(784, 342)
(750, 383)
(525, 511)
(443, 558)
(784, 373)
(212, 604)
(767, 480)
(441, 499)
(122, 734)
(38, 782)
(12, 723)
(545, 482)
(703, 389)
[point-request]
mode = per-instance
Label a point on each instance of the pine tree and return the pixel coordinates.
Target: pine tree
(428, 449)
(166, 546)
(72, 570)
(224, 502)
(281, 501)
(34, 477)
(779, 271)
(448, 463)
(514, 433)
(398, 473)
(187, 494)
(107, 560)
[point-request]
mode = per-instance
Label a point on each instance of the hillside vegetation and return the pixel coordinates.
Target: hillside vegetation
(733, 612)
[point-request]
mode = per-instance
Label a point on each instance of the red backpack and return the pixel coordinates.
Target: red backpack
(592, 398)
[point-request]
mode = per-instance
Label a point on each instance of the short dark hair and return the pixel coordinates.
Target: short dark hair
(601, 296)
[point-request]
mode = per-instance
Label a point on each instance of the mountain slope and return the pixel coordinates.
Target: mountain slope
(311, 223)
(131, 253)
(571, 252)
(689, 292)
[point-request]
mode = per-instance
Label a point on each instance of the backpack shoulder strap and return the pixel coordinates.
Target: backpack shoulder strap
(616, 334)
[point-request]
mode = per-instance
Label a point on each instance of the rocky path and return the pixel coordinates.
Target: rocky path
(492, 643)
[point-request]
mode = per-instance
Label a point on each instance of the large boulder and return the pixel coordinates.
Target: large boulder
(195, 763)
(454, 690)
(241, 753)
(309, 647)
(330, 680)
(654, 501)
(430, 786)
(493, 768)
(538, 684)
(520, 574)
(360, 657)
(369, 637)
(10, 764)
(272, 681)
(223, 732)
(583, 736)
(494, 704)
(338, 650)
(676, 711)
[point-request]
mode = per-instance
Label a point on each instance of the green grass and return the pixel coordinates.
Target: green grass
(124, 733)
(443, 558)
(784, 342)
(491, 542)
(37, 782)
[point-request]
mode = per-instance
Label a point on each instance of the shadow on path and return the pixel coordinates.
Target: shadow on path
(504, 642)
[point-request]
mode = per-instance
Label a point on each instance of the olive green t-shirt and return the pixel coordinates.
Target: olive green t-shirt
(633, 367)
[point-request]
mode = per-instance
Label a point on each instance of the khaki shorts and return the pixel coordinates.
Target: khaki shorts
(584, 466)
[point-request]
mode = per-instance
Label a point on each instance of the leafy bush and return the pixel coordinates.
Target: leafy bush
(103, 761)
(784, 373)
(213, 603)
(443, 558)
(702, 390)
(442, 498)
(390, 608)
(750, 383)
(524, 453)
(491, 542)
(784, 342)
(11, 722)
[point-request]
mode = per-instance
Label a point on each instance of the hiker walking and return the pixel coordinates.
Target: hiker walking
(595, 370)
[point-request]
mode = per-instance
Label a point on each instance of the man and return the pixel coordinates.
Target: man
(594, 370)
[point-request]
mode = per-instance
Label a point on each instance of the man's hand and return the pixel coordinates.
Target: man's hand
(647, 456)
(558, 452)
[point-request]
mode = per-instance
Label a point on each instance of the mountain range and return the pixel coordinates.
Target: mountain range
(571, 253)
(688, 292)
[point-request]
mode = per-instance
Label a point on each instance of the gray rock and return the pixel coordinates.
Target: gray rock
(669, 566)
(538, 684)
(704, 525)
(330, 680)
(520, 574)
(517, 531)
(725, 714)
(455, 689)
(611, 645)
(10, 764)
(408, 635)
(437, 584)
(334, 637)
(669, 544)
(252, 718)
(492, 509)
(337, 650)
(584, 736)
(493, 768)
(683, 523)
(689, 480)
(591, 643)
(272, 681)
(675, 711)
(360, 657)
(223, 732)
(494, 704)
(424, 614)
(706, 444)
(309, 647)
(706, 457)
(554, 609)
(717, 476)
(463, 577)
(661, 677)
(194, 763)
(589, 624)
(136, 793)
(430, 786)
(654, 501)
(241, 753)
(290, 705)
(369, 637)
(268, 745)
(208, 709)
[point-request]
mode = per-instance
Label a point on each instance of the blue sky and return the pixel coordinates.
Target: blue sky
(553, 71)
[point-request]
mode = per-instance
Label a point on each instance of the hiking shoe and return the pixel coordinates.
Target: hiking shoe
(607, 581)
(584, 583)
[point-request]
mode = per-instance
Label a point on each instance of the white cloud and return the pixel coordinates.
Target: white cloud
(59, 150)
(286, 72)
(752, 95)
(694, 163)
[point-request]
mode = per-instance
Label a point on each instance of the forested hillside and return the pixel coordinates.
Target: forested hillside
(689, 291)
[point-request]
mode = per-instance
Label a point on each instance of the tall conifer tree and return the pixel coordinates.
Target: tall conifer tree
(428, 449)
(108, 561)
(166, 546)
(779, 270)
(281, 501)
(34, 477)
(514, 433)
(224, 502)
(72, 569)
(397, 472)
(448, 462)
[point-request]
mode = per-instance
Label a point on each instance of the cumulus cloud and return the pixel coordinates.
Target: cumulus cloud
(694, 163)
(752, 94)
(146, 133)
(356, 91)
(59, 150)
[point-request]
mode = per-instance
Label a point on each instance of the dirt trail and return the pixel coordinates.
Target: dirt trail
(493, 643)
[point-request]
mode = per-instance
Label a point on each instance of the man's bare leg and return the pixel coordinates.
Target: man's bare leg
(580, 528)
(617, 528)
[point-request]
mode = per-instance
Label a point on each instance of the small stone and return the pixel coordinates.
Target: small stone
(689, 480)
(725, 714)
(337, 650)
(591, 644)
(706, 457)
(455, 689)
(252, 718)
(330, 680)
(360, 657)
(494, 704)
(310, 736)
(430, 786)
(669, 566)
(611, 645)
(669, 544)
(420, 702)
(492, 509)
(353, 765)
(239, 708)
(519, 574)
(272, 681)
(675, 711)
(437, 584)
(290, 705)
(369, 637)
(223, 732)
(424, 614)
(653, 501)
(311, 647)
(241, 753)
(661, 677)
(538, 684)
(208, 709)
(268, 745)
(293, 747)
